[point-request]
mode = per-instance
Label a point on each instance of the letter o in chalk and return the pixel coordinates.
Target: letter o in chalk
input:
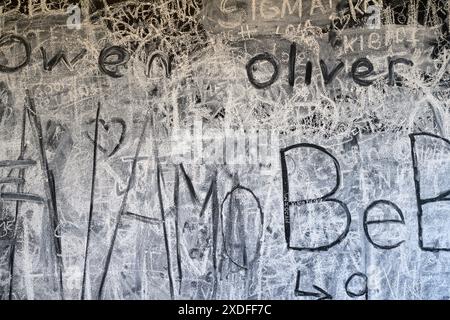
(8, 39)
(354, 280)
(262, 57)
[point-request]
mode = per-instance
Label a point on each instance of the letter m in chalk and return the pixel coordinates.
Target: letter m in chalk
(313, 220)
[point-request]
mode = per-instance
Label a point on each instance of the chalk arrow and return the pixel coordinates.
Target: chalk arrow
(320, 294)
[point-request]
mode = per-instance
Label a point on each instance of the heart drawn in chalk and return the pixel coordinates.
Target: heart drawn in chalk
(111, 134)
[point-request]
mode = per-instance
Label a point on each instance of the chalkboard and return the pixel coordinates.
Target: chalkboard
(224, 149)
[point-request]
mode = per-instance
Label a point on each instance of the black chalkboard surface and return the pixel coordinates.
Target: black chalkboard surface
(224, 150)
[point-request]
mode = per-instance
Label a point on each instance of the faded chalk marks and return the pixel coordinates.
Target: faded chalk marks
(243, 150)
(8, 39)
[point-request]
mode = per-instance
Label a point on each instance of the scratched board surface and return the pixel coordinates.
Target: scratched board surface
(224, 149)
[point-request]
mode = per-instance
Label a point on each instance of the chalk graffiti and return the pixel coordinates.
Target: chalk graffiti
(224, 150)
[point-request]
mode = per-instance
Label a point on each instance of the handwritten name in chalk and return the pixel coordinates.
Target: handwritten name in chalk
(329, 204)
(111, 59)
(362, 70)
